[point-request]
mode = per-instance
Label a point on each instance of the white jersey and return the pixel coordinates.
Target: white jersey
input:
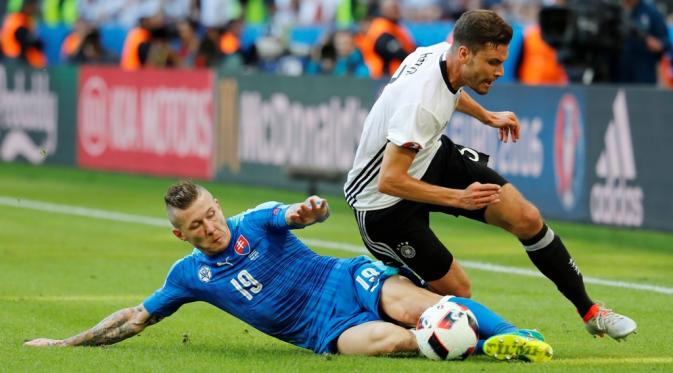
(411, 112)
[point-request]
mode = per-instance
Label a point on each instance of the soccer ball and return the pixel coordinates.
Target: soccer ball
(447, 331)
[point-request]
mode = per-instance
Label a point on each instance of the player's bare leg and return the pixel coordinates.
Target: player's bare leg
(376, 338)
(404, 302)
(515, 214)
(454, 282)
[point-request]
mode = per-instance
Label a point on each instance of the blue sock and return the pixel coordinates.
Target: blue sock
(490, 323)
(479, 348)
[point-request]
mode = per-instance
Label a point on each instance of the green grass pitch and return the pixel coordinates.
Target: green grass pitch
(61, 273)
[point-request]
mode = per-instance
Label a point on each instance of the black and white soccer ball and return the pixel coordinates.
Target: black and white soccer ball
(447, 331)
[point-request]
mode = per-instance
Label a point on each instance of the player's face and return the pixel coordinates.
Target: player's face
(203, 225)
(484, 67)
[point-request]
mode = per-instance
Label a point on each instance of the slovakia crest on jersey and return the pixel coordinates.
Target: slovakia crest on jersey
(242, 247)
(205, 274)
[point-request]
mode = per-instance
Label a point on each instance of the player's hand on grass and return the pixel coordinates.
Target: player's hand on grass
(478, 195)
(314, 209)
(507, 124)
(43, 342)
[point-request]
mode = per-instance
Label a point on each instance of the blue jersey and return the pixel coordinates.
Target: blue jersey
(272, 281)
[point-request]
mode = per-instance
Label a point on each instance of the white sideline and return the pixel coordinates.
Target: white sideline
(146, 220)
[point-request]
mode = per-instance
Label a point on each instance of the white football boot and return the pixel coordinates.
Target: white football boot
(606, 321)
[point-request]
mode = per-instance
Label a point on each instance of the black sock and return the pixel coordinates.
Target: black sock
(550, 256)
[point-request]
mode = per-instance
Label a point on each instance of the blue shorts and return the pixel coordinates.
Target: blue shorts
(354, 290)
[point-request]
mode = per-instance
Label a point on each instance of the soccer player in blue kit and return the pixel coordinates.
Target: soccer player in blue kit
(251, 266)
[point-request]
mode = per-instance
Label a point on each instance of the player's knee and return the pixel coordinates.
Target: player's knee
(410, 314)
(529, 221)
(464, 290)
(461, 288)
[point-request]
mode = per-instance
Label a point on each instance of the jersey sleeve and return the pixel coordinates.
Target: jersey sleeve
(165, 301)
(413, 127)
(269, 215)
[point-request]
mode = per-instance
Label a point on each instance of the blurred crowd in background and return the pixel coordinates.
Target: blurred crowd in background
(360, 38)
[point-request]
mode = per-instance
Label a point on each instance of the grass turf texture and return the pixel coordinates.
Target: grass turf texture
(61, 274)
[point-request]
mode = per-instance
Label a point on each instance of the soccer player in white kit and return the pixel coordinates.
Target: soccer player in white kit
(405, 168)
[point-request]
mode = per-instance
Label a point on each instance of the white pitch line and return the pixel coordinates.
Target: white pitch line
(613, 360)
(146, 220)
(81, 211)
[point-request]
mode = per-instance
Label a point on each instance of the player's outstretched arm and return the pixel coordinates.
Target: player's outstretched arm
(117, 327)
(469, 106)
(505, 121)
(313, 210)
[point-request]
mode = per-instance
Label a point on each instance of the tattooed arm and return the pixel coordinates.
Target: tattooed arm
(120, 325)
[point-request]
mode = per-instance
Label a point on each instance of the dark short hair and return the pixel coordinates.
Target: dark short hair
(477, 29)
(182, 194)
